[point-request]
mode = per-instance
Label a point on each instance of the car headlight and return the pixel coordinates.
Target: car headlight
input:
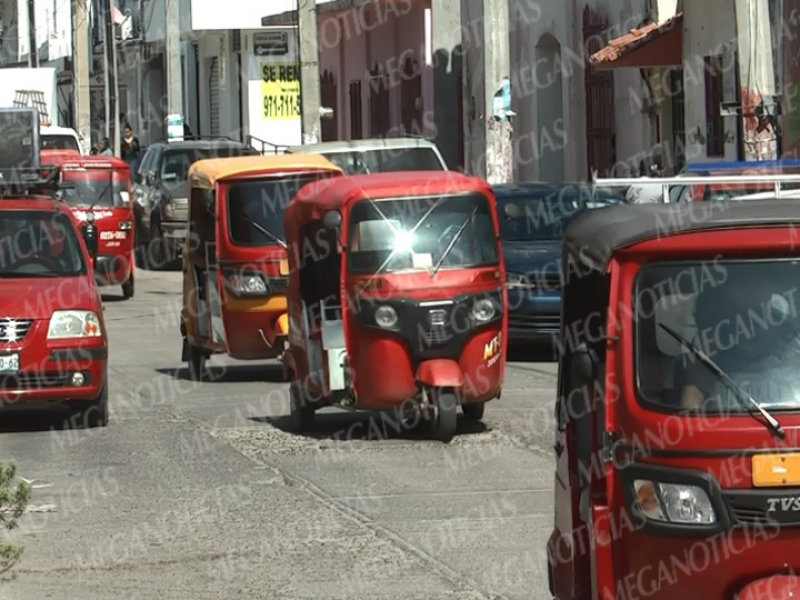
(674, 503)
(247, 284)
(73, 324)
(483, 310)
(386, 317)
(518, 281)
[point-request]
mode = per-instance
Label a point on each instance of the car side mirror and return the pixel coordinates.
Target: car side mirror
(151, 179)
(584, 362)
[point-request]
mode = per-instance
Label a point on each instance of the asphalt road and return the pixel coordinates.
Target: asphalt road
(196, 491)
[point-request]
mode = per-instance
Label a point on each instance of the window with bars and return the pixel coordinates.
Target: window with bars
(715, 125)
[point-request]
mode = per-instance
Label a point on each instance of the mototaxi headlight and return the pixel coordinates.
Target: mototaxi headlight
(386, 317)
(483, 310)
(247, 284)
(674, 503)
(66, 324)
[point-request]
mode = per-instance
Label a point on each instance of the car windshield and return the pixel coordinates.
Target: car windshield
(742, 314)
(56, 141)
(386, 160)
(256, 207)
(39, 243)
(176, 163)
(416, 233)
(545, 216)
(95, 188)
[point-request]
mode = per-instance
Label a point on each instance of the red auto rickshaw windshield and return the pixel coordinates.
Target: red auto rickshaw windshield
(39, 243)
(96, 187)
(742, 315)
(421, 233)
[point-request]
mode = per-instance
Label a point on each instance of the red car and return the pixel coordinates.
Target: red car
(53, 341)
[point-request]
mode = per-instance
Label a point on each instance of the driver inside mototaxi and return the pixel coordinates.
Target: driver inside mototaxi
(730, 331)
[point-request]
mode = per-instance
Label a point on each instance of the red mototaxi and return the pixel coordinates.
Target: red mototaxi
(390, 365)
(53, 341)
(112, 213)
(654, 499)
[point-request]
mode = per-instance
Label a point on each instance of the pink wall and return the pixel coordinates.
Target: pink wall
(352, 42)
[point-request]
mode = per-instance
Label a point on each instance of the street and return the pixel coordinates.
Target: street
(195, 490)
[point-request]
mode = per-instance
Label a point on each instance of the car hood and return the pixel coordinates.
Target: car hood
(38, 298)
(534, 256)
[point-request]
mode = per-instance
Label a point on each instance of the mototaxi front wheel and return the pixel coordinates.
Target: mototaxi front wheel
(128, 288)
(197, 363)
(474, 411)
(445, 421)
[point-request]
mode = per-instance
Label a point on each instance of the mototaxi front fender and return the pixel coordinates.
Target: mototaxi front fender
(440, 373)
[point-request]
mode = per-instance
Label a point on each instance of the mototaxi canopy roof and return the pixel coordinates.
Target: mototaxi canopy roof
(315, 199)
(67, 159)
(594, 237)
(206, 173)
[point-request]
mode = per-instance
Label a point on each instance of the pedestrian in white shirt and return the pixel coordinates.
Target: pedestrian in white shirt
(647, 192)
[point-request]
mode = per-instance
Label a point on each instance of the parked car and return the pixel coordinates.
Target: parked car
(533, 218)
(377, 156)
(161, 193)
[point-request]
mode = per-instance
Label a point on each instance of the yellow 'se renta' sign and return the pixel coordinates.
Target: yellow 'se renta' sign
(491, 350)
(280, 91)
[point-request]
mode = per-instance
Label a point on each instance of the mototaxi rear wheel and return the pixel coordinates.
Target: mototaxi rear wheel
(302, 410)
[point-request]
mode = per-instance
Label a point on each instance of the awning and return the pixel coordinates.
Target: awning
(652, 45)
(324, 7)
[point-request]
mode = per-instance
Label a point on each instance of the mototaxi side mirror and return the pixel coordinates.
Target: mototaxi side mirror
(584, 362)
(90, 235)
(332, 219)
(512, 211)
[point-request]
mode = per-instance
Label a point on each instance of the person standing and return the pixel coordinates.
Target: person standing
(130, 148)
(649, 191)
(104, 147)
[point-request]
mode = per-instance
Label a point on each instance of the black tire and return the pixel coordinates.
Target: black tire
(473, 412)
(128, 288)
(160, 255)
(302, 410)
(197, 363)
(96, 414)
(446, 422)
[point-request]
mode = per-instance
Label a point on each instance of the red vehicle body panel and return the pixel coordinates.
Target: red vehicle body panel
(628, 562)
(45, 365)
(116, 234)
(381, 369)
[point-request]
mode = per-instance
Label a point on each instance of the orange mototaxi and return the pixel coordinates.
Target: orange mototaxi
(99, 191)
(234, 260)
(678, 411)
(396, 297)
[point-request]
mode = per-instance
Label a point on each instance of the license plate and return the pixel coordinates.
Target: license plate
(9, 363)
(776, 470)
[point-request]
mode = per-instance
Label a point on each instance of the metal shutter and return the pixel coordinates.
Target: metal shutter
(213, 96)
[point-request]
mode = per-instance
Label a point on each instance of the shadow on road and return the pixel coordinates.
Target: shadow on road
(269, 373)
(368, 426)
(58, 418)
(531, 353)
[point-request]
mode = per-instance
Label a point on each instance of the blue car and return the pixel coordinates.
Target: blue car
(533, 218)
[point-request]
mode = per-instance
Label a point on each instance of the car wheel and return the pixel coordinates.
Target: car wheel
(128, 288)
(96, 414)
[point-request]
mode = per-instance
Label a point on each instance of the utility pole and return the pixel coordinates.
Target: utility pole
(80, 74)
(105, 18)
(174, 74)
(113, 81)
(310, 97)
(497, 67)
(33, 55)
